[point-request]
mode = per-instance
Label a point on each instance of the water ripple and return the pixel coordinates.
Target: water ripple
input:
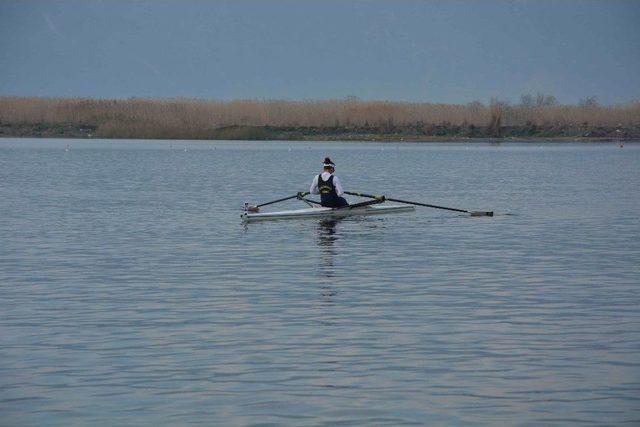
(131, 294)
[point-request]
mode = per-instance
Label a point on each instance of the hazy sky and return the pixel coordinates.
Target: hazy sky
(437, 51)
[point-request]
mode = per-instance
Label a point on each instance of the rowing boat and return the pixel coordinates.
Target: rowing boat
(320, 212)
(370, 207)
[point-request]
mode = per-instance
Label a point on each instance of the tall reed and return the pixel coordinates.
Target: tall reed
(192, 117)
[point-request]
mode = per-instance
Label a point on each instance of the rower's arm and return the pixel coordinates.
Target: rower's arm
(314, 186)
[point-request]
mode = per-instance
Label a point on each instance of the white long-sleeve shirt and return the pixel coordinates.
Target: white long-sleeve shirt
(325, 176)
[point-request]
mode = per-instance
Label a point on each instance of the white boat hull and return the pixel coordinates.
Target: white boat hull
(324, 213)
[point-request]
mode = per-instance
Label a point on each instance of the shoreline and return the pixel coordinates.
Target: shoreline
(308, 134)
(429, 140)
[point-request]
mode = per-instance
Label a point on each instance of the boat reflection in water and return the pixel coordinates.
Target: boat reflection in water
(327, 237)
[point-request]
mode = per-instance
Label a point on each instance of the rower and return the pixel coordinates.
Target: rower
(328, 186)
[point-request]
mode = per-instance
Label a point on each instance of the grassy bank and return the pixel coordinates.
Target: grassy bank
(349, 119)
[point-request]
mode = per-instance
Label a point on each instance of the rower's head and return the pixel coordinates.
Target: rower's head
(328, 165)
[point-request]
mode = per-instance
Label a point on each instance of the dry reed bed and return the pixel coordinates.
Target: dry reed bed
(151, 117)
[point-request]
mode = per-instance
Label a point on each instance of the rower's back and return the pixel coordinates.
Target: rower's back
(328, 186)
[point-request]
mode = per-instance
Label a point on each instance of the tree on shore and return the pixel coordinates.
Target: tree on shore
(540, 100)
(588, 102)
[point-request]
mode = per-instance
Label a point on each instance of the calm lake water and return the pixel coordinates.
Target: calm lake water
(131, 294)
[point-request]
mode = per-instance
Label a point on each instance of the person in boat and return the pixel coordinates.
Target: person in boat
(328, 186)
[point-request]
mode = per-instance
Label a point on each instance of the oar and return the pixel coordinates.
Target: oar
(251, 208)
(472, 213)
(299, 195)
(361, 204)
(309, 201)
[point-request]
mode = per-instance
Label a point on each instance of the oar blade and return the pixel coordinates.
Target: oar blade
(480, 213)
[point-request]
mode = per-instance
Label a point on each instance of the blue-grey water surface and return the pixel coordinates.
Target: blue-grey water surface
(131, 294)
